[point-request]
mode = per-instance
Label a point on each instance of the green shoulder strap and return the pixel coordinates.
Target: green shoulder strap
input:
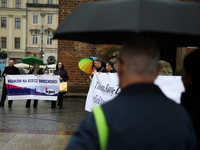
(102, 127)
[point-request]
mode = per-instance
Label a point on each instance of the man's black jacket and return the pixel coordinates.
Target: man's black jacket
(141, 117)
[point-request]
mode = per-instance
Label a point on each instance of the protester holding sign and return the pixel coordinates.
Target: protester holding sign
(36, 71)
(98, 67)
(191, 98)
(110, 67)
(10, 70)
(141, 117)
(63, 77)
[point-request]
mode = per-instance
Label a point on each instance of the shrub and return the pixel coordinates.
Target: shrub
(3, 54)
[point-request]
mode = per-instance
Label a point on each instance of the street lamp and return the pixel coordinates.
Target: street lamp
(42, 34)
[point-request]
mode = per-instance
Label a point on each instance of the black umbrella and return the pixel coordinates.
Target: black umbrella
(170, 23)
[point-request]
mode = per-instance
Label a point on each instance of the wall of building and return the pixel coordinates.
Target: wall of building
(40, 9)
(10, 32)
(71, 52)
(47, 55)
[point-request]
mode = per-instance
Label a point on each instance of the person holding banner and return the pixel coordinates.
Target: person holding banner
(36, 70)
(97, 68)
(141, 117)
(110, 67)
(190, 99)
(10, 70)
(63, 77)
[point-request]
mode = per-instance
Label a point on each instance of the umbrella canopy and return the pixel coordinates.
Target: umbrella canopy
(32, 60)
(86, 64)
(168, 22)
(22, 65)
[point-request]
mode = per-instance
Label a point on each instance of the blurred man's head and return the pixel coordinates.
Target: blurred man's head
(138, 62)
(11, 63)
(109, 66)
(36, 65)
(97, 63)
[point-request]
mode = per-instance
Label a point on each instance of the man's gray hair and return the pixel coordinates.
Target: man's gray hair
(140, 55)
(98, 60)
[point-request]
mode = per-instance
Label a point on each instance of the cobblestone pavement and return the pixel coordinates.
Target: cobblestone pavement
(39, 128)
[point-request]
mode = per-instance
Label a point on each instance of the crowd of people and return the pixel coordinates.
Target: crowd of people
(36, 70)
(141, 117)
(98, 67)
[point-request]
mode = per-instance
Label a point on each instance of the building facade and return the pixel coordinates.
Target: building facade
(42, 21)
(71, 52)
(13, 28)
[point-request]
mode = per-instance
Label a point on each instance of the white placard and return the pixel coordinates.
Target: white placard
(105, 87)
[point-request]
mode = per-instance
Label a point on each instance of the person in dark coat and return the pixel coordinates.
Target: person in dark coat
(97, 68)
(10, 70)
(110, 67)
(190, 99)
(141, 117)
(63, 77)
(36, 71)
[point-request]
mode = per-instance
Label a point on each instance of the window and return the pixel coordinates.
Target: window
(35, 1)
(34, 38)
(17, 43)
(3, 22)
(49, 39)
(4, 3)
(16, 60)
(49, 1)
(18, 4)
(17, 22)
(35, 19)
(49, 19)
(3, 42)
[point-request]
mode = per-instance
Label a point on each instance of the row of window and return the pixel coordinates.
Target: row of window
(48, 1)
(34, 40)
(4, 22)
(48, 38)
(18, 3)
(35, 19)
(18, 21)
(3, 42)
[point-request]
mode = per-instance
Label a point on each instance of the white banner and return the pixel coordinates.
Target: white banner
(105, 87)
(171, 86)
(43, 87)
